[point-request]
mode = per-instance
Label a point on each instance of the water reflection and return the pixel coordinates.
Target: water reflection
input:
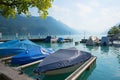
(116, 50)
(118, 58)
(47, 45)
(54, 77)
(104, 49)
(87, 73)
(92, 48)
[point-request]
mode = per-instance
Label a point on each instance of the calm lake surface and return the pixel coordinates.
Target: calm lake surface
(107, 66)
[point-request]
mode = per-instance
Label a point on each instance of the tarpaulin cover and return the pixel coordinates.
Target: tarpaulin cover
(60, 39)
(62, 58)
(9, 43)
(48, 39)
(32, 54)
(15, 46)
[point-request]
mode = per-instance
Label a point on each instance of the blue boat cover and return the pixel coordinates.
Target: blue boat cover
(9, 43)
(25, 44)
(32, 54)
(15, 46)
(60, 40)
(62, 58)
(105, 41)
(48, 39)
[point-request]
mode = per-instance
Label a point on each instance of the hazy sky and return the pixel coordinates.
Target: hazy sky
(89, 15)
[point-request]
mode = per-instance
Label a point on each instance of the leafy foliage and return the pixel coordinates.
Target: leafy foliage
(9, 8)
(114, 30)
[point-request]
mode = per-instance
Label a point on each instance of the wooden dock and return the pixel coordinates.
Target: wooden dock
(27, 65)
(8, 73)
(7, 60)
(81, 69)
(34, 40)
(13, 73)
(42, 39)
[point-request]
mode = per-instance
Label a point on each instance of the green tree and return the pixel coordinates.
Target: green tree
(9, 8)
(114, 30)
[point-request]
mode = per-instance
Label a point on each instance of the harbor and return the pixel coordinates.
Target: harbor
(97, 51)
(19, 75)
(51, 40)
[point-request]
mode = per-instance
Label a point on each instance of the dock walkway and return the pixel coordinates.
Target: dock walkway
(7, 73)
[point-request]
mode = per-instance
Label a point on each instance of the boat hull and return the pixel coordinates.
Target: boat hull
(62, 70)
(62, 61)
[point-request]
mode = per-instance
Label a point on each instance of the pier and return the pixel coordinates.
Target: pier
(34, 40)
(81, 69)
(8, 73)
(14, 73)
(27, 65)
(41, 40)
(7, 60)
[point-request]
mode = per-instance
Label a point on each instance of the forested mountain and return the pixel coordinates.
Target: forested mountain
(33, 25)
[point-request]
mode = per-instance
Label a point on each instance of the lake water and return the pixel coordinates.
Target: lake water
(107, 66)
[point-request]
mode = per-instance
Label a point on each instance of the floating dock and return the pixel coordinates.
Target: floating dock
(41, 40)
(8, 73)
(81, 69)
(34, 40)
(13, 73)
(27, 65)
(7, 60)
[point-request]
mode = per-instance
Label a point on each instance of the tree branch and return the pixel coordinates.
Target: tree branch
(12, 3)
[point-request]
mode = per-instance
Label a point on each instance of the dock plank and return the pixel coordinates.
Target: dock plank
(12, 74)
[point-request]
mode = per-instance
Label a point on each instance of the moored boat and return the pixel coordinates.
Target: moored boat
(32, 54)
(92, 41)
(60, 40)
(105, 41)
(8, 48)
(8, 43)
(15, 47)
(62, 61)
(116, 43)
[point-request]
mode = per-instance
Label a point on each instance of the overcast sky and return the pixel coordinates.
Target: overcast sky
(90, 15)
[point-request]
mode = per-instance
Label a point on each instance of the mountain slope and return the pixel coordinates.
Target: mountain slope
(33, 25)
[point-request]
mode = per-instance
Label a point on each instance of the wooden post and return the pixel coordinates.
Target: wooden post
(16, 35)
(0, 35)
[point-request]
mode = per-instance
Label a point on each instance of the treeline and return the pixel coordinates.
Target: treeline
(114, 30)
